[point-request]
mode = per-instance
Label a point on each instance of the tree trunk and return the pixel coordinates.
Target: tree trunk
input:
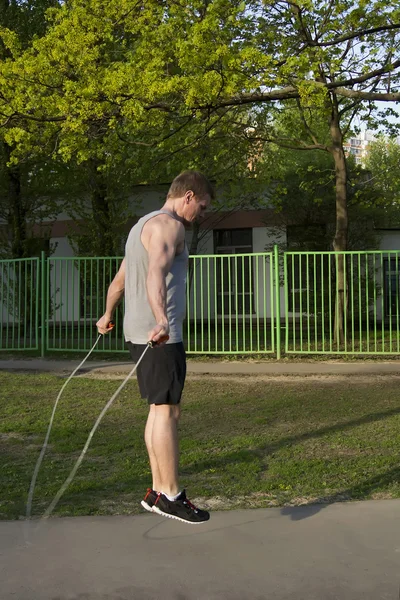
(17, 212)
(102, 218)
(340, 239)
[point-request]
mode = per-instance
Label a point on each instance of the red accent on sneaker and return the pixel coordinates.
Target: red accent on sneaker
(149, 490)
(190, 504)
(158, 497)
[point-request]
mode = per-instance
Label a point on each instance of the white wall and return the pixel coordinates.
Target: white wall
(260, 275)
(146, 199)
(62, 247)
(390, 239)
(264, 238)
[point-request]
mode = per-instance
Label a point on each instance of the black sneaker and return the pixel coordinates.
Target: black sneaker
(149, 500)
(181, 509)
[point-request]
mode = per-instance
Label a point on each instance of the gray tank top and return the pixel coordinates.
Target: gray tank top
(138, 317)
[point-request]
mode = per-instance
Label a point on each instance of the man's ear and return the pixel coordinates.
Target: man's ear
(189, 196)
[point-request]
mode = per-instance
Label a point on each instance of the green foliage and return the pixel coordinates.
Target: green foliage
(24, 203)
(147, 88)
(304, 196)
(383, 162)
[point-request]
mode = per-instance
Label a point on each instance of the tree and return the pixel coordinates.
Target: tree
(329, 59)
(383, 163)
(304, 194)
(302, 190)
(75, 78)
(136, 69)
(20, 203)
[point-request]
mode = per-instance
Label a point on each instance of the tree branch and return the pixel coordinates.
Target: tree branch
(159, 105)
(390, 97)
(37, 119)
(292, 145)
(304, 121)
(283, 94)
(197, 139)
(356, 34)
(338, 86)
(297, 14)
(365, 77)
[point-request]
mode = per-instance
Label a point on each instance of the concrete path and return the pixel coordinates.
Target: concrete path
(213, 367)
(347, 551)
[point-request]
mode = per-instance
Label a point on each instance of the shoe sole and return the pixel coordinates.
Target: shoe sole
(155, 509)
(146, 506)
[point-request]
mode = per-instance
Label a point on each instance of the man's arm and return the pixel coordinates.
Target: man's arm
(161, 246)
(114, 295)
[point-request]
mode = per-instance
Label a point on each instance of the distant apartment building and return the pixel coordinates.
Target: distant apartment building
(357, 146)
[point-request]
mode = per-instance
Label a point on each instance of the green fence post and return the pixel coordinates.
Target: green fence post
(278, 302)
(43, 304)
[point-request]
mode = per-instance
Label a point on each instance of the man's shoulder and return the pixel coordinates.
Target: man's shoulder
(164, 224)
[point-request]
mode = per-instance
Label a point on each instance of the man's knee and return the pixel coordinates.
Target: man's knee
(167, 411)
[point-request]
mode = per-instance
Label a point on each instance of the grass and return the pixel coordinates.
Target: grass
(248, 342)
(244, 442)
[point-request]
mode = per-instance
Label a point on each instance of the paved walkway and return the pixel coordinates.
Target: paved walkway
(347, 551)
(214, 367)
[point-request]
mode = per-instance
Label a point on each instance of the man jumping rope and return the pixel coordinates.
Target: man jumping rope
(153, 278)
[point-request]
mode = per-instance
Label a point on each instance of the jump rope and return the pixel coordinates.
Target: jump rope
(51, 507)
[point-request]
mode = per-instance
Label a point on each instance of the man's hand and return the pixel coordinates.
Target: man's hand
(103, 324)
(158, 332)
(114, 295)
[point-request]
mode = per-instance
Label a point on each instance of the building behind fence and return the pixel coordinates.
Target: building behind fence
(251, 303)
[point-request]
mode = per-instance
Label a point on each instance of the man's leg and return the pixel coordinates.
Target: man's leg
(148, 436)
(171, 502)
(163, 378)
(163, 448)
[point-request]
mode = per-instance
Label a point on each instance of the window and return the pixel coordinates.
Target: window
(391, 268)
(236, 271)
(304, 270)
(233, 241)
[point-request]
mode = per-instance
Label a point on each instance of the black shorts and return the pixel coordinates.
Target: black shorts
(162, 372)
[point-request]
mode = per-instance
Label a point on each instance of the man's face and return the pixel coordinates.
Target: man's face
(195, 207)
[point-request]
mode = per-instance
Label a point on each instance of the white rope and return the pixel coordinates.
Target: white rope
(70, 477)
(39, 461)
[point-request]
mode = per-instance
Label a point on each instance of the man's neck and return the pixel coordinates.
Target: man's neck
(170, 209)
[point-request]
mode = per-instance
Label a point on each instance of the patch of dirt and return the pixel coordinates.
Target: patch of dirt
(255, 500)
(299, 379)
(264, 500)
(308, 501)
(11, 435)
(382, 496)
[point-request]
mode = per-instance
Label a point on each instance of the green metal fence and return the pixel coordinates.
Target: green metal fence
(228, 300)
(76, 290)
(230, 304)
(20, 304)
(368, 290)
(236, 303)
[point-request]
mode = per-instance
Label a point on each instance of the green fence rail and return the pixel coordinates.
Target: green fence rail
(19, 304)
(230, 304)
(76, 290)
(236, 303)
(365, 284)
(228, 299)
